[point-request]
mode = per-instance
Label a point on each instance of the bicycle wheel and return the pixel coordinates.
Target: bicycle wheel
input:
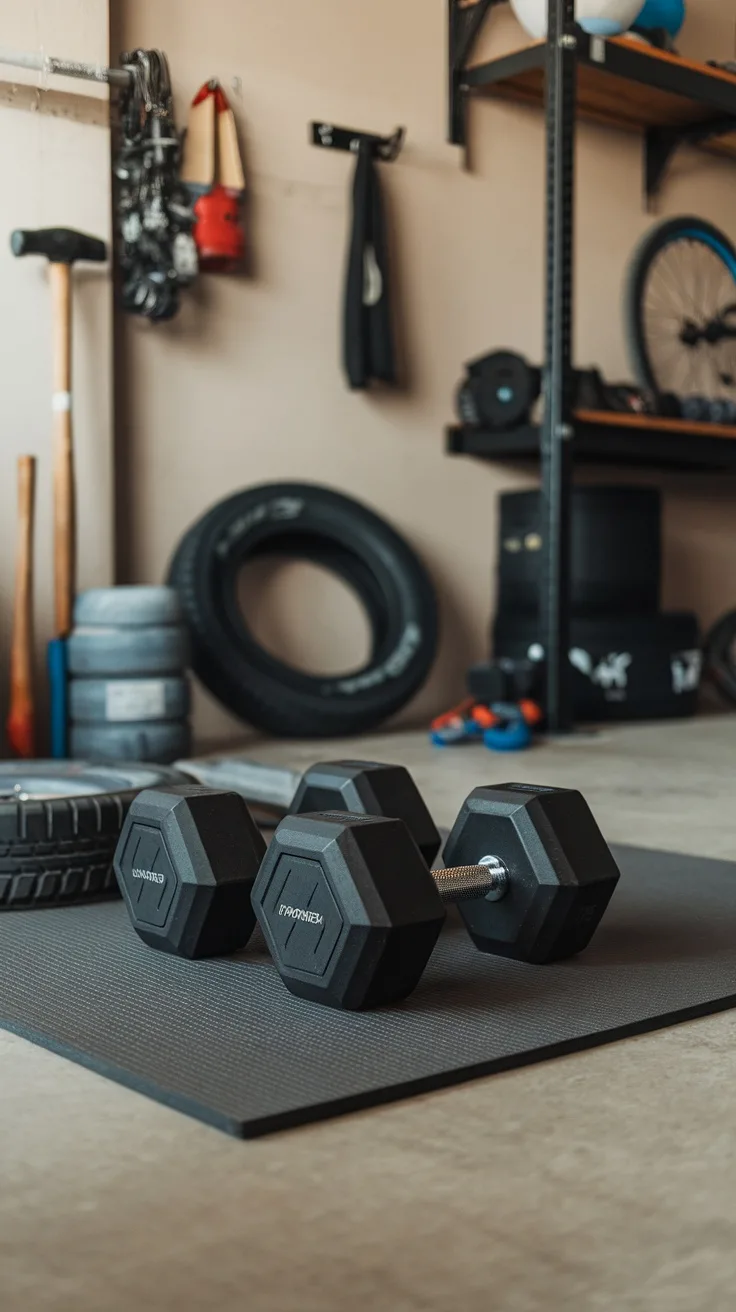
(681, 310)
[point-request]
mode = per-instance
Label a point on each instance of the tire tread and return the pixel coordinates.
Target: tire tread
(54, 852)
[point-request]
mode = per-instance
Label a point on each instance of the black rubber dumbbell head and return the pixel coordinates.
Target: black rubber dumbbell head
(185, 863)
(369, 788)
(348, 908)
(561, 872)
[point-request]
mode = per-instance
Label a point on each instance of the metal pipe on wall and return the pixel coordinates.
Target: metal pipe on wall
(558, 432)
(51, 66)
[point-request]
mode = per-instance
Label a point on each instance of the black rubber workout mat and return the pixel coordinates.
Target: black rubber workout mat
(225, 1042)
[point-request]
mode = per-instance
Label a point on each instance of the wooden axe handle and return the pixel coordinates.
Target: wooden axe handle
(21, 716)
(64, 501)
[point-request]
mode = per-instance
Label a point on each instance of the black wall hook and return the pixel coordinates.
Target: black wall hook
(333, 138)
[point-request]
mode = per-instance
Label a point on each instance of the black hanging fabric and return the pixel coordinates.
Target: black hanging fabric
(368, 344)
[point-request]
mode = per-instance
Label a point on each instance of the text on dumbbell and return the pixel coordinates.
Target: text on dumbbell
(152, 876)
(297, 913)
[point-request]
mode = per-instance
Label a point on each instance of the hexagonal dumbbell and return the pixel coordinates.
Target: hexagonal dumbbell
(185, 862)
(368, 788)
(188, 855)
(351, 912)
(560, 871)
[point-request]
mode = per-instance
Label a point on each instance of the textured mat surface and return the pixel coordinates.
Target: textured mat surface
(225, 1042)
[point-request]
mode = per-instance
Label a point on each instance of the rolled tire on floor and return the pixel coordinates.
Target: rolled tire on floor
(311, 523)
(120, 701)
(59, 827)
(160, 741)
(720, 656)
(626, 667)
(127, 607)
(156, 649)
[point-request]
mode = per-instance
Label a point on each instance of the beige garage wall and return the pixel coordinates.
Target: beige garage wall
(245, 386)
(55, 170)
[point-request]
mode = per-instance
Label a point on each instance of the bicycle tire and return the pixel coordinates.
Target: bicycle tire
(671, 231)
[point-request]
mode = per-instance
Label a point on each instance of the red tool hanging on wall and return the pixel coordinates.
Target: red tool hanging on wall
(213, 171)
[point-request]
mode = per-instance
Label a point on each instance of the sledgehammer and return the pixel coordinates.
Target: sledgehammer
(62, 247)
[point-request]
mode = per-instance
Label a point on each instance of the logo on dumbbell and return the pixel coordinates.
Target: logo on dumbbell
(297, 913)
(152, 876)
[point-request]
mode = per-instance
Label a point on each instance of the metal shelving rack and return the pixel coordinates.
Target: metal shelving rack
(671, 101)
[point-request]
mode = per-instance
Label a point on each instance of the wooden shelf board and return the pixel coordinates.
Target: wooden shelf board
(606, 438)
(654, 424)
(617, 93)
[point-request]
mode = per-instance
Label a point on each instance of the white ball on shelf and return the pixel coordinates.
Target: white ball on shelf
(598, 17)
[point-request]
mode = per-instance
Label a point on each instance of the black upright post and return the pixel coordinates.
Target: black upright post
(557, 429)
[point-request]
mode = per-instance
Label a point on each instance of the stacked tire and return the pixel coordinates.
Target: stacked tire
(129, 695)
(629, 659)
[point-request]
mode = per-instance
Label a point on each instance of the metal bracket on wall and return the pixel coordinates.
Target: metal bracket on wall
(465, 20)
(661, 143)
(330, 137)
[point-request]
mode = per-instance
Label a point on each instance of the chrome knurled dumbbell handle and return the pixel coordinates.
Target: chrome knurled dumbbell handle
(488, 879)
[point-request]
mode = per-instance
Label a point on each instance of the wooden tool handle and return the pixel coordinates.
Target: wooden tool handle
(64, 499)
(21, 716)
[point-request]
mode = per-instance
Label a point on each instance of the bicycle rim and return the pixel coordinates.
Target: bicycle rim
(683, 280)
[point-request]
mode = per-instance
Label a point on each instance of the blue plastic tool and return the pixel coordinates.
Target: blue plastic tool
(58, 691)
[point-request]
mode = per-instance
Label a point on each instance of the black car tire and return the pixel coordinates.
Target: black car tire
(314, 523)
(59, 827)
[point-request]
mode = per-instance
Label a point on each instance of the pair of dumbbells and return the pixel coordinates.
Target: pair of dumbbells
(348, 904)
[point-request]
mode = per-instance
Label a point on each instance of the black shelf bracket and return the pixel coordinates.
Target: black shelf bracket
(465, 21)
(330, 137)
(661, 144)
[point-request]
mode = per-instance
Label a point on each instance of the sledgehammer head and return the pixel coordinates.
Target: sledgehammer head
(59, 245)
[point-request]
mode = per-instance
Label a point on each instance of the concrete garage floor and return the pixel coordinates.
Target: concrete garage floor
(605, 1180)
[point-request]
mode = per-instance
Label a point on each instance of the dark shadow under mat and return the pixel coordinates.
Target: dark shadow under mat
(225, 1042)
